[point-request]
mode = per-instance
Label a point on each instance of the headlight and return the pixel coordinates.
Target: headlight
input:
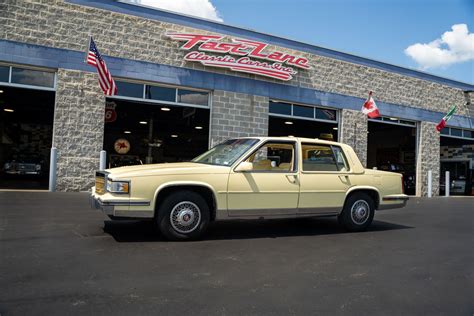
(38, 167)
(118, 186)
(6, 166)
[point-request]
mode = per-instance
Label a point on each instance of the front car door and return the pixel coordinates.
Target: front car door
(271, 187)
(324, 180)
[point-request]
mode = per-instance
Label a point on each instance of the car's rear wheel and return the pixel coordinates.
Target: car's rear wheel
(358, 212)
(183, 215)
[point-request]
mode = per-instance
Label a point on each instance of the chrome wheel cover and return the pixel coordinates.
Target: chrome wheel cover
(360, 212)
(185, 217)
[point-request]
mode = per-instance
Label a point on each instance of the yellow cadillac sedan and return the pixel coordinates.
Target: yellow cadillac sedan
(251, 178)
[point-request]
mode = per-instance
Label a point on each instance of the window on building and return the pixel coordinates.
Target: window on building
(193, 97)
(456, 132)
(280, 108)
(186, 97)
(303, 111)
(326, 114)
(468, 134)
(4, 73)
(32, 77)
(128, 89)
(161, 93)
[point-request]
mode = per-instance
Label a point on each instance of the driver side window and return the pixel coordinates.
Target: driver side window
(274, 157)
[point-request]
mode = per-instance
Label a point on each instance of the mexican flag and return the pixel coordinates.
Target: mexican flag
(445, 119)
(370, 108)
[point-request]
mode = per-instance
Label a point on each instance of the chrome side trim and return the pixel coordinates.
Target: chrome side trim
(320, 210)
(129, 203)
(290, 212)
(262, 212)
(135, 214)
(227, 218)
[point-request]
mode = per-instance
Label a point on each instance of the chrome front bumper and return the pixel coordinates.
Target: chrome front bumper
(109, 207)
(97, 204)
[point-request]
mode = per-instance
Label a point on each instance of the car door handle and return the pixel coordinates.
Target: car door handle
(344, 178)
(293, 178)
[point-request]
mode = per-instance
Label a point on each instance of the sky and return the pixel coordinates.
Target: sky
(434, 36)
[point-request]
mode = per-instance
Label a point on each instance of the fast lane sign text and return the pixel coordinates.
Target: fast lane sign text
(239, 55)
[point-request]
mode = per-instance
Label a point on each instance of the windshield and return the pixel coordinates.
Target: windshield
(226, 153)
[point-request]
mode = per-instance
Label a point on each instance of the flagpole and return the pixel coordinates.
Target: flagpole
(88, 46)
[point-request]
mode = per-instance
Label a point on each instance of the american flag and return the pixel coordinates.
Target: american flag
(106, 82)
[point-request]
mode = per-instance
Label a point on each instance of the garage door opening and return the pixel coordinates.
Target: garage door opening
(155, 124)
(457, 157)
(26, 127)
(392, 147)
(286, 119)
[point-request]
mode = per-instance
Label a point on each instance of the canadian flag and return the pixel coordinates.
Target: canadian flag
(370, 108)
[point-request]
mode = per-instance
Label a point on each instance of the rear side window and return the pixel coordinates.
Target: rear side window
(340, 159)
(320, 157)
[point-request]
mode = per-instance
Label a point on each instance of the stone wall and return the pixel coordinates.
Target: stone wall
(353, 132)
(58, 24)
(237, 115)
(78, 129)
(428, 158)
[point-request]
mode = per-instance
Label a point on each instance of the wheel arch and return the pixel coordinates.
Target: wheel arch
(204, 189)
(369, 190)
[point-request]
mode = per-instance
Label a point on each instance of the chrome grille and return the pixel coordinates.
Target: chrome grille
(100, 182)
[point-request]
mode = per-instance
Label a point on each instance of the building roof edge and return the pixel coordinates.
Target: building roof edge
(219, 27)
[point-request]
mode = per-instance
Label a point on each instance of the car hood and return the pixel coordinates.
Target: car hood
(165, 169)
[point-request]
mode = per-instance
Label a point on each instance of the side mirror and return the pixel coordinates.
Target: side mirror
(244, 166)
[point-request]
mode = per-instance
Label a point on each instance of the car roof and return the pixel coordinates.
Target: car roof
(291, 138)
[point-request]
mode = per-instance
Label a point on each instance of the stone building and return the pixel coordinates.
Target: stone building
(185, 84)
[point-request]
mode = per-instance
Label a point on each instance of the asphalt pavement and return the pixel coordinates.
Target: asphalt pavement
(59, 257)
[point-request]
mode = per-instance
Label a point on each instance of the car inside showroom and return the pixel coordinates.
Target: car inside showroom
(457, 157)
(392, 147)
(26, 127)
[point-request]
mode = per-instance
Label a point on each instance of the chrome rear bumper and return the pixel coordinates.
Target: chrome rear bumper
(395, 201)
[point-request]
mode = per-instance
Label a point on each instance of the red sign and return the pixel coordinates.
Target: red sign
(110, 113)
(240, 55)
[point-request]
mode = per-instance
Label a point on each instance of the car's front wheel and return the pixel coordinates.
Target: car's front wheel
(358, 212)
(183, 215)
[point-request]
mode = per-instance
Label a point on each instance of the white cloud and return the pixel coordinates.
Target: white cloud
(454, 46)
(200, 8)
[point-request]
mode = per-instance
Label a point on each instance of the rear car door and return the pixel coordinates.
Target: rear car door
(324, 180)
